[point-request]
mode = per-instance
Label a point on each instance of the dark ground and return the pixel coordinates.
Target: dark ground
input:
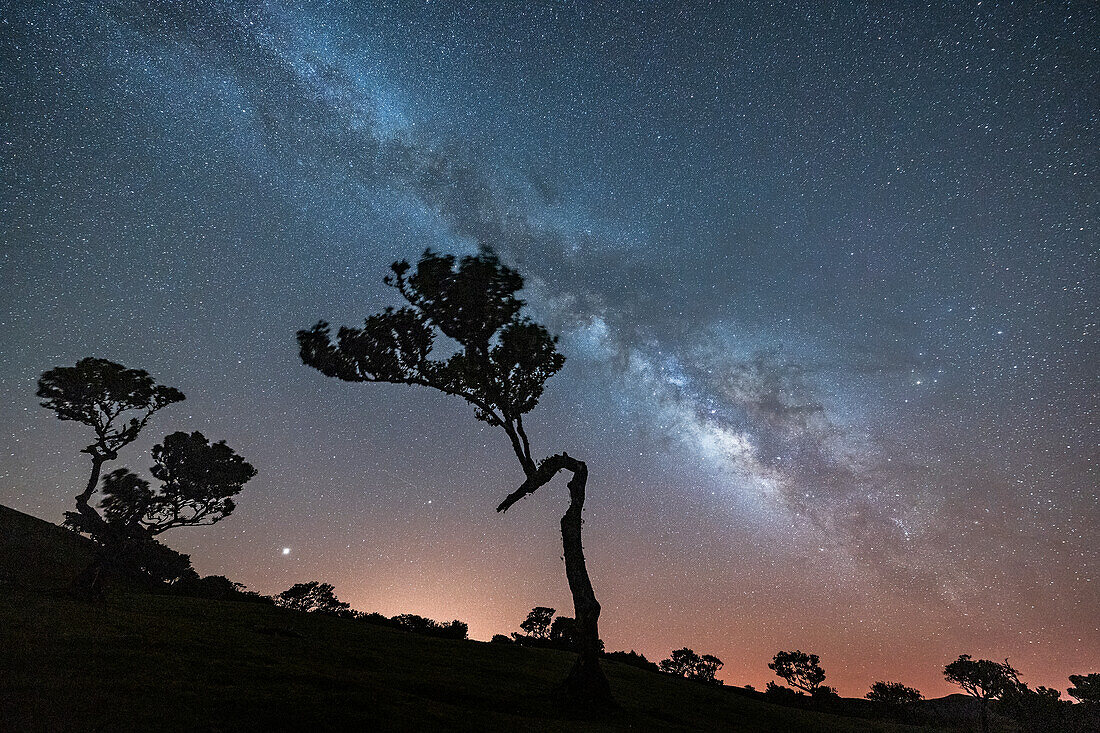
(143, 661)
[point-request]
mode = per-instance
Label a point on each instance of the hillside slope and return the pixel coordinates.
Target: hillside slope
(170, 663)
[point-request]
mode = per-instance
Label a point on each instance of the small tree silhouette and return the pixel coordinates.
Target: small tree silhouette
(893, 694)
(115, 402)
(686, 663)
(500, 366)
(799, 669)
(311, 597)
(537, 623)
(982, 679)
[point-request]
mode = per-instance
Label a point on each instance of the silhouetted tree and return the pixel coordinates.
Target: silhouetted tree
(500, 366)
(312, 597)
(198, 482)
(115, 402)
(686, 663)
(982, 679)
(1086, 688)
(706, 669)
(799, 669)
(893, 694)
(537, 623)
(500, 639)
(680, 663)
(1035, 711)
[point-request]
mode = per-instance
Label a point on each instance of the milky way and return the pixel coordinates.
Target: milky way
(825, 277)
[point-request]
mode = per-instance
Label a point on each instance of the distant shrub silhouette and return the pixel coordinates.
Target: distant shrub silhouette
(312, 597)
(500, 367)
(893, 694)
(634, 659)
(982, 679)
(798, 669)
(537, 623)
(686, 663)
(221, 588)
(419, 625)
(501, 639)
(780, 694)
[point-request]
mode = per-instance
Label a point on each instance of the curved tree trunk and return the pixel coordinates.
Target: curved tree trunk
(82, 505)
(586, 687)
(89, 583)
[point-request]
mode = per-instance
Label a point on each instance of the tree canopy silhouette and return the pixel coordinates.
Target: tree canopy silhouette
(686, 663)
(799, 669)
(312, 597)
(893, 694)
(538, 621)
(500, 366)
(1086, 688)
(114, 401)
(981, 678)
(198, 482)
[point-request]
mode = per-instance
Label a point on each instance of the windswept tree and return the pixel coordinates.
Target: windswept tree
(799, 669)
(115, 402)
(537, 623)
(982, 679)
(498, 362)
(312, 597)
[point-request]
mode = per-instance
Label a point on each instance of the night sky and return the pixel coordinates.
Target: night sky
(825, 275)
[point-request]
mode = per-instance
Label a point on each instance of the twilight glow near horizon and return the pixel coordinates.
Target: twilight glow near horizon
(825, 276)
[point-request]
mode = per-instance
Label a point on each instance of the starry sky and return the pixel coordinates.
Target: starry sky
(825, 275)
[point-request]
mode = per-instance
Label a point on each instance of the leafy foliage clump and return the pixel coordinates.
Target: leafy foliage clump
(686, 663)
(101, 394)
(312, 597)
(893, 694)
(198, 482)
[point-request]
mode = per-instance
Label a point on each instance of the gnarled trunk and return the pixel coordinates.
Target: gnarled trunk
(86, 511)
(89, 583)
(586, 687)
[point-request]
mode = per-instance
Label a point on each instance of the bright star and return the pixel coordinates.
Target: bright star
(286, 550)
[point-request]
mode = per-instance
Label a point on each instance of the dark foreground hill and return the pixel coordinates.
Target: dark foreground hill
(164, 662)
